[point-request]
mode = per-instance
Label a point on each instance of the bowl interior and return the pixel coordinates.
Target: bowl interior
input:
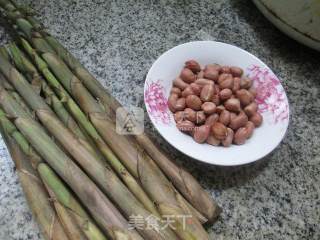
(271, 98)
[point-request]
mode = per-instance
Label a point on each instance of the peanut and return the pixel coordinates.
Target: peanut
(179, 83)
(211, 74)
(193, 102)
(195, 88)
(240, 136)
(246, 83)
(225, 94)
(228, 141)
(245, 97)
(250, 128)
(193, 65)
(212, 119)
(202, 82)
(213, 141)
(236, 84)
(227, 83)
(176, 91)
(200, 117)
(180, 104)
(214, 66)
(185, 126)
(223, 77)
(220, 109)
(208, 107)
(187, 75)
(172, 102)
(251, 109)
(216, 99)
(187, 91)
(233, 105)
(236, 71)
(225, 117)
(179, 116)
(253, 91)
(190, 114)
(201, 133)
(219, 131)
(226, 69)
(207, 93)
(239, 121)
(200, 74)
(256, 119)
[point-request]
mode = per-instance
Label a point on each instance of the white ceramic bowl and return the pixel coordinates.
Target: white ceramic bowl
(271, 98)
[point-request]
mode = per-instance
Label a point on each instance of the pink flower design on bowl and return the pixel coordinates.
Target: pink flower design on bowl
(270, 94)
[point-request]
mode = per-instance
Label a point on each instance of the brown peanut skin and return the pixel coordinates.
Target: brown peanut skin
(223, 77)
(245, 97)
(236, 71)
(200, 74)
(251, 109)
(185, 126)
(195, 88)
(240, 136)
(236, 84)
(253, 91)
(179, 116)
(193, 65)
(211, 74)
(201, 133)
(250, 128)
(227, 83)
(225, 117)
(180, 104)
(190, 114)
(200, 117)
(213, 141)
(216, 89)
(257, 119)
(214, 66)
(187, 91)
(245, 83)
(233, 105)
(219, 131)
(175, 90)
(216, 99)
(239, 121)
(225, 69)
(179, 83)
(212, 119)
(187, 75)
(202, 82)
(208, 107)
(193, 102)
(229, 139)
(220, 109)
(172, 102)
(225, 94)
(207, 93)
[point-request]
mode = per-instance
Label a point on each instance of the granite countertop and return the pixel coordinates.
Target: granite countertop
(276, 198)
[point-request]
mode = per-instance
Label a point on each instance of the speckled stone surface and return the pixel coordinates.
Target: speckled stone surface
(276, 198)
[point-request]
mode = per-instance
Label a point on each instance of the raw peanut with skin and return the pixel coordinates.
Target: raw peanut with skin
(251, 109)
(216, 99)
(213, 141)
(207, 93)
(185, 126)
(225, 117)
(225, 94)
(236, 84)
(233, 105)
(219, 131)
(250, 128)
(220, 109)
(180, 104)
(253, 91)
(190, 114)
(211, 74)
(245, 97)
(200, 117)
(202, 82)
(227, 83)
(193, 102)
(223, 77)
(233, 115)
(236, 71)
(187, 91)
(245, 83)
(229, 139)
(179, 83)
(200, 74)
(179, 116)
(176, 91)
(201, 133)
(226, 69)
(216, 89)
(172, 102)
(187, 75)
(239, 121)
(212, 119)
(195, 88)
(208, 107)
(214, 66)
(240, 136)
(193, 65)
(256, 119)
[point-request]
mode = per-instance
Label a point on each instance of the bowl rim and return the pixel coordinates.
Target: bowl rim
(248, 160)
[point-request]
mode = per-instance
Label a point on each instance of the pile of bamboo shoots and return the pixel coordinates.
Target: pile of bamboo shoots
(82, 180)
